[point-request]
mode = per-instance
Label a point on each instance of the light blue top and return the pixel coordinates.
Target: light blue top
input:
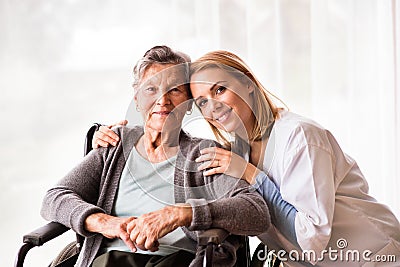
(144, 187)
(282, 213)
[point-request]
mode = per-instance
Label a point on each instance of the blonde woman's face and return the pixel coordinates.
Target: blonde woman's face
(224, 100)
(162, 97)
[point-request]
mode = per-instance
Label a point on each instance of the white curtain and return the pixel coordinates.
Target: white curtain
(354, 91)
(334, 61)
(66, 64)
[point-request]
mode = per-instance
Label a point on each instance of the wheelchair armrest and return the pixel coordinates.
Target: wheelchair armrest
(45, 233)
(215, 236)
(37, 238)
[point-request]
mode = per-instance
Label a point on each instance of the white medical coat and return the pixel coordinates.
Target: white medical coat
(337, 220)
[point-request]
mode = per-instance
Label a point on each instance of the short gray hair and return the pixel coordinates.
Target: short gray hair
(159, 55)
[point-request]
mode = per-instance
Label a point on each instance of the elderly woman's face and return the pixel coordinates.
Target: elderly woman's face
(162, 97)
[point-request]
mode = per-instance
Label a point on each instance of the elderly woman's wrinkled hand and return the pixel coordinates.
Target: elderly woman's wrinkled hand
(148, 228)
(110, 227)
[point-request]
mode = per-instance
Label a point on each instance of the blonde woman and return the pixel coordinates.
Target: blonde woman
(317, 196)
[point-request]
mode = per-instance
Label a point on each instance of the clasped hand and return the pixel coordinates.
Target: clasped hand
(141, 232)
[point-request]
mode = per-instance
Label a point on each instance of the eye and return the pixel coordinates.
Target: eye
(174, 91)
(150, 89)
(201, 103)
(220, 90)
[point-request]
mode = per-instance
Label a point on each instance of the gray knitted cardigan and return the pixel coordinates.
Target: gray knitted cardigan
(218, 201)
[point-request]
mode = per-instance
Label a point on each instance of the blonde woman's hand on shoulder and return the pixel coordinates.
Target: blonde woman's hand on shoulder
(218, 160)
(105, 136)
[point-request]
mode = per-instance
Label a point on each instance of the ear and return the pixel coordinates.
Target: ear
(190, 105)
(251, 88)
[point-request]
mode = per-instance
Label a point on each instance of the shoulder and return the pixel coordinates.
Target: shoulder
(128, 131)
(129, 134)
(190, 146)
(296, 131)
(187, 140)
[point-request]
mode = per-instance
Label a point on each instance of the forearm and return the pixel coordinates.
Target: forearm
(67, 208)
(240, 215)
(95, 223)
(282, 213)
(242, 212)
(184, 214)
(250, 173)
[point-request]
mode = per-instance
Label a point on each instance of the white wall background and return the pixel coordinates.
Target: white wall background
(65, 64)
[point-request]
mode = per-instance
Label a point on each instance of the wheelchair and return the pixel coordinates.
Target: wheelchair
(208, 240)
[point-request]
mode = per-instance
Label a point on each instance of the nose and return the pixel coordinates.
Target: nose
(214, 105)
(164, 100)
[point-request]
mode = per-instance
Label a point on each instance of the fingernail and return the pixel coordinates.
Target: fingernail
(114, 143)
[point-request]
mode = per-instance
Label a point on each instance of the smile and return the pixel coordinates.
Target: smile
(224, 116)
(162, 113)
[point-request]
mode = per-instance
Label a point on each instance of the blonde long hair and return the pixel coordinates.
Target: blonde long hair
(264, 110)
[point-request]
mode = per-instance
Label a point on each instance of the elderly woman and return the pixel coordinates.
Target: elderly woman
(139, 202)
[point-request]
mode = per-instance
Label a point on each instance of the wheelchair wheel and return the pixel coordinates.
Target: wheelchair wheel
(67, 256)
